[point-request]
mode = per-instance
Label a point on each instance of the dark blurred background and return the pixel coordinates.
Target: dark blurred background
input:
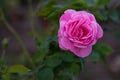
(16, 12)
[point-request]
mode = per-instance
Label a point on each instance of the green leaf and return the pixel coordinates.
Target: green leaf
(91, 3)
(74, 69)
(99, 16)
(63, 77)
(67, 56)
(53, 61)
(81, 3)
(45, 74)
(103, 49)
(95, 56)
(103, 2)
(43, 48)
(18, 69)
(39, 57)
(104, 14)
(115, 15)
(71, 70)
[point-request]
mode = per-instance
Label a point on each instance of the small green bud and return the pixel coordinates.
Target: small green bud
(5, 43)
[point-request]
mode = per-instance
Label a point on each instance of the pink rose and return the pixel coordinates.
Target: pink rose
(78, 32)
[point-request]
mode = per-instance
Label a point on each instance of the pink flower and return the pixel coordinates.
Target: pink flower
(78, 32)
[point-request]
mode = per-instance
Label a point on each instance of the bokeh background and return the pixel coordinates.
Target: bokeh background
(107, 13)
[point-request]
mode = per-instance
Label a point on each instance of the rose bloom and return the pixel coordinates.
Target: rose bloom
(78, 32)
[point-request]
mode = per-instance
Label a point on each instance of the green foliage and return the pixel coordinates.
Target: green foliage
(5, 43)
(71, 70)
(95, 56)
(58, 62)
(42, 47)
(3, 69)
(53, 61)
(103, 49)
(103, 2)
(45, 74)
(115, 15)
(13, 72)
(100, 51)
(6, 76)
(20, 69)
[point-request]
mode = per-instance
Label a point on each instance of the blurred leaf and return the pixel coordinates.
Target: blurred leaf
(71, 70)
(55, 48)
(5, 43)
(39, 57)
(40, 66)
(6, 76)
(74, 69)
(99, 16)
(83, 4)
(43, 48)
(103, 49)
(45, 74)
(115, 16)
(3, 69)
(53, 61)
(103, 59)
(92, 3)
(48, 3)
(18, 69)
(63, 77)
(66, 56)
(103, 2)
(104, 13)
(95, 56)
(3, 59)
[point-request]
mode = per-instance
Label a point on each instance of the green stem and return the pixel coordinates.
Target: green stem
(38, 7)
(7, 25)
(3, 55)
(31, 18)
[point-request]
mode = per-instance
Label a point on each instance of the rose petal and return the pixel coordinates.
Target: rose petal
(61, 30)
(83, 52)
(66, 43)
(80, 14)
(99, 32)
(93, 25)
(92, 18)
(67, 15)
(93, 42)
(70, 11)
(61, 46)
(79, 45)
